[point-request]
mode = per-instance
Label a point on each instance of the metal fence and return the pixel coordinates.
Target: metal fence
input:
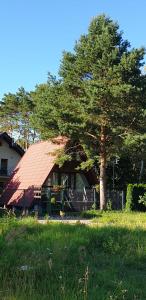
(67, 199)
(116, 199)
(50, 200)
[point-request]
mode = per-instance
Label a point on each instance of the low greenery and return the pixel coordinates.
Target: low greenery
(105, 260)
(134, 194)
(142, 199)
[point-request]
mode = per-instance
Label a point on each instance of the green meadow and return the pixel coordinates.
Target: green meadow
(105, 260)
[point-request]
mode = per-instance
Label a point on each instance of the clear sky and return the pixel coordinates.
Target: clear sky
(33, 34)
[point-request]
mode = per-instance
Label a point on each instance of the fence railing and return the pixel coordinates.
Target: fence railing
(53, 200)
(68, 199)
(116, 199)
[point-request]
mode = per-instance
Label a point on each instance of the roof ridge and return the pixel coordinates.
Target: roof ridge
(55, 140)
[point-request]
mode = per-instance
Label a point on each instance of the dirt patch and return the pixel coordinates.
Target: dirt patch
(66, 220)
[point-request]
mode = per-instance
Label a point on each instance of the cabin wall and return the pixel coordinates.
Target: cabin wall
(10, 154)
(8, 161)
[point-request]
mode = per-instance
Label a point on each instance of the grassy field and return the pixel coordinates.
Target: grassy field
(104, 261)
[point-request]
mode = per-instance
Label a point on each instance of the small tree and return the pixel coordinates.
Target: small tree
(15, 113)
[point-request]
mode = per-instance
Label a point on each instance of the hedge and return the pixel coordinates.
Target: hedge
(132, 197)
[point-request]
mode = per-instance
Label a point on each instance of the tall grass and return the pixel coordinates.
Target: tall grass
(106, 261)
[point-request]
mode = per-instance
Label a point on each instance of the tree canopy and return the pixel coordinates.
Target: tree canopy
(15, 116)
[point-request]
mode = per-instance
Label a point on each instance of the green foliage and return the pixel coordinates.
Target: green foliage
(109, 205)
(53, 200)
(134, 192)
(63, 157)
(15, 114)
(101, 85)
(142, 199)
(129, 197)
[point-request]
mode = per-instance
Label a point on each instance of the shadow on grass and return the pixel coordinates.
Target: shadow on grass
(61, 261)
(89, 214)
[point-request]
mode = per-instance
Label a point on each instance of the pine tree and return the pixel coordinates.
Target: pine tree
(100, 98)
(15, 114)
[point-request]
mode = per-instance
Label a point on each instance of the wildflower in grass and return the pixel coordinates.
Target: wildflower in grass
(62, 289)
(50, 252)
(50, 263)
(25, 268)
(83, 283)
(86, 278)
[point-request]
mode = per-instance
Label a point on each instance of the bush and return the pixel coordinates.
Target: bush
(134, 191)
(142, 199)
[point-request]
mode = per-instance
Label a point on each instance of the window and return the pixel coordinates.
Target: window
(68, 180)
(81, 182)
(65, 179)
(1, 187)
(55, 178)
(4, 166)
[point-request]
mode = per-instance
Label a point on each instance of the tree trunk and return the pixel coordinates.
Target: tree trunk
(141, 170)
(102, 170)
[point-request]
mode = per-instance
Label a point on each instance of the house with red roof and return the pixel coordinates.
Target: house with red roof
(37, 175)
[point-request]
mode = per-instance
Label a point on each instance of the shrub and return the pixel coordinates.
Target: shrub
(129, 197)
(142, 199)
(134, 192)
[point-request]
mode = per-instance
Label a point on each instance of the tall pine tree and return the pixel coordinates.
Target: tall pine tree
(100, 99)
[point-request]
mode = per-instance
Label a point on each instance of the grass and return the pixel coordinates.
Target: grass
(105, 261)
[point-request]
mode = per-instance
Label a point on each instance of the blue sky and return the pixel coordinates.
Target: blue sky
(34, 33)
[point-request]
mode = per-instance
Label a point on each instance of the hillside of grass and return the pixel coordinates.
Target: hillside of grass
(105, 261)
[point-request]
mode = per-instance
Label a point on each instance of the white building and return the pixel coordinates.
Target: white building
(10, 154)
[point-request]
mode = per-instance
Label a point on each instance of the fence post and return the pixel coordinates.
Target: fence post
(24, 208)
(48, 208)
(94, 197)
(24, 195)
(122, 200)
(62, 198)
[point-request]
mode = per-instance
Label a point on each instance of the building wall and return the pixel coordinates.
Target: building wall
(8, 153)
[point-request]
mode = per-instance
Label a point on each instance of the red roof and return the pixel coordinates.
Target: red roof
(32, 171)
